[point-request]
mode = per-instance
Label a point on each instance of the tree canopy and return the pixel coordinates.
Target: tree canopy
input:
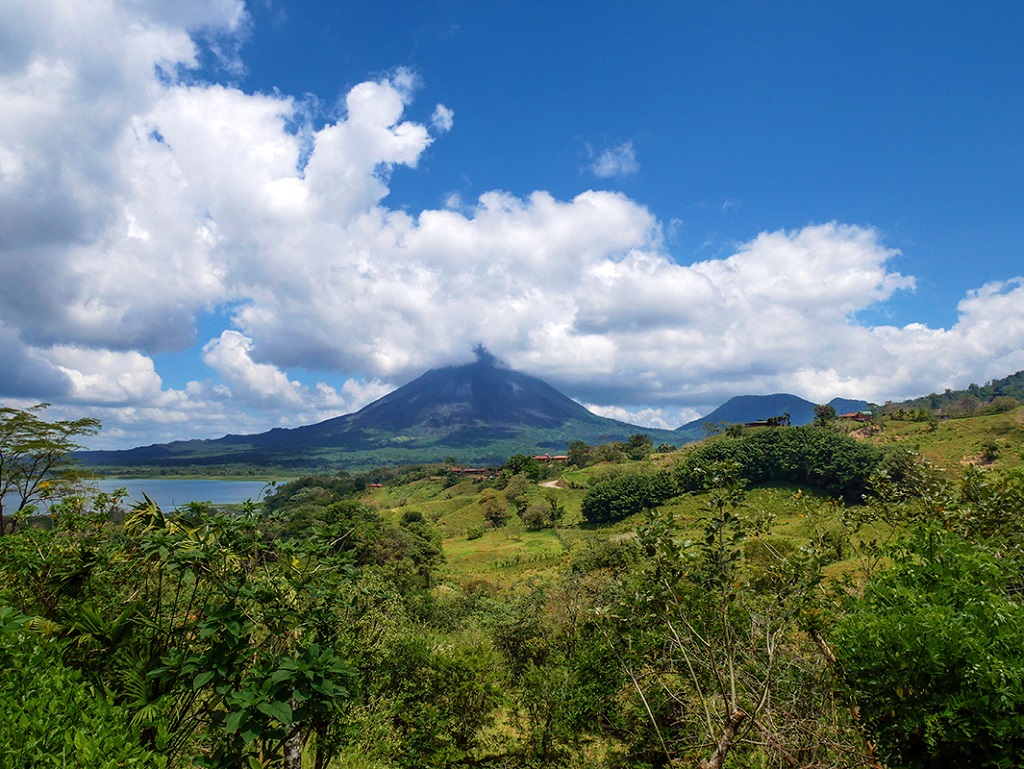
(35, 457)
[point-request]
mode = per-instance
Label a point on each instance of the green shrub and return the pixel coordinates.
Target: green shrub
(834, 463)
(50, 716)
(627, 495)
(934, 655)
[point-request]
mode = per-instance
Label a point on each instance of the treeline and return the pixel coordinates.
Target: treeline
(822, 459)
(993, 397)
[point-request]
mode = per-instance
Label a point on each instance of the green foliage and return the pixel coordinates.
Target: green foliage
(992, 397)
(219, 642)
(578, 453)
(522, 464)
(200, 638)
(318, 489)
(608, 452)
(990, 450)
(989, 507)
(933, 652)
(426, 698)
(35, 459)
(715, 666)
(543, 514)
(824, 414)
(638, 447)
(493, 508)
(822, 459)
(627, 495)
(517, 492)
(51, 717)
(1001, 404)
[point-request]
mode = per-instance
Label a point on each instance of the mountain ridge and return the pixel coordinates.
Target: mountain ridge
(750, 408)
(479, 413)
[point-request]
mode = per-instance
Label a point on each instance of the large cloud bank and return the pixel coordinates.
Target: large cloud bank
(138, 200)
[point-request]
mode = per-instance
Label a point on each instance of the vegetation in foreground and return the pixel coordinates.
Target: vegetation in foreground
(777, 597)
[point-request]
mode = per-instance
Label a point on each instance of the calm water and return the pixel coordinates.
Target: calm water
(170, 492)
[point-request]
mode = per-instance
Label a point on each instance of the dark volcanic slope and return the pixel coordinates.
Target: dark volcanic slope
(466, 395)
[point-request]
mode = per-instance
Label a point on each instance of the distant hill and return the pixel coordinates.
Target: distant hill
(998, 395)
(753, 408)
(480, 413)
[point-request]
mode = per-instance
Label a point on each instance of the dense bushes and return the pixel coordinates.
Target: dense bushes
(626, 495)
(834, 463)
(51, 716)
(317, 489)
(934, 655)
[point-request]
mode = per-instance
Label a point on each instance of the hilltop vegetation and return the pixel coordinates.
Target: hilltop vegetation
(839, 596)
(996, 396)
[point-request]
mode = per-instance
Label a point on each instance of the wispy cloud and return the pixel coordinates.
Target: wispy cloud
(619, 160)
(443, 119)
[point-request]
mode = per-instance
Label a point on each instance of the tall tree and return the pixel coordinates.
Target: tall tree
(638, 446)
(35, 457)
(824, 414)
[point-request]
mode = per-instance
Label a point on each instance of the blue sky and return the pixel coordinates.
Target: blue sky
(743, 117)
(240, 216)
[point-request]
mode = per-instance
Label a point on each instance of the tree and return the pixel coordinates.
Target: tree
(543, 514)
(35, 457)
(608, 452)
(493, 508)
(517, 492)
(824, 414)
(578, 453)
(522, 464)
(638, 446)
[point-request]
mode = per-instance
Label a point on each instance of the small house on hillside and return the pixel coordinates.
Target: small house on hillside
(856, 416)
(782, 420)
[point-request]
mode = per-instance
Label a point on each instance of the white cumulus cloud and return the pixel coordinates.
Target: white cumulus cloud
(443, 119)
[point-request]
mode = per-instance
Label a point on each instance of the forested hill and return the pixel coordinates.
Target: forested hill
(996, 395)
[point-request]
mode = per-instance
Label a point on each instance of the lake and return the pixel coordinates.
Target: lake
(169, 492)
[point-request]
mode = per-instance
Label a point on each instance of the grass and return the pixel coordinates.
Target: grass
(795, 516)
(503, 556)
(955, 443)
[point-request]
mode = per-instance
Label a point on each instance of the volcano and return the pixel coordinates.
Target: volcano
(478, 413)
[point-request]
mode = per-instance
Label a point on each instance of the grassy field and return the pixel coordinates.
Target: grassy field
(793, 516)
(954, 444)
